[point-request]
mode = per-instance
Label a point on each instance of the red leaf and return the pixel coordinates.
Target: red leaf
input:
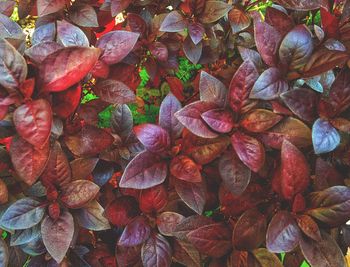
(33, 122)
(235, 175)
(154, 138)
(156, 252)
(190, 117)
(80, 143)
(116, 45)
(259, 120)
(176, 87)
(57, 235)
(295, 173)
(283, 233)
(213, 239)
(219, 120)
(250, 151)
(239, 19)
(267, 39)
(28, 161)
(153, 199)
(173, 22)
(184, 168)
(241, 84)
(69, 65)
(330, 24)
(122, 210)
(144, 171)
(135, 233)
(66, 102)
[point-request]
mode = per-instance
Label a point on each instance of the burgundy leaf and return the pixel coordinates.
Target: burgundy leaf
(114, 92)
(239, 19)
(251, 55)
(185, 253)
(66, 67)
(269, 85)
(295, 173)
(58, 234)
(212, 89)
(66, 102)
(214, 10)
(170, 105)
(193, 194)
(70, 35)
(250, 151)
(83, 15)
(173, 22)
(192, 51)
(117, 6)
(213, 239)
(283, 234)
(167, 222)
(277, 18)
(48, 7)
(259, 120)
(266, 258)
(159, 51)
(184, 168)
(156, 252)
(196, 32)
(135, 233)
(13, 67)
(189, 224)
(190, 117)
(302, 5)
(144, 171)
(33, 122)
(29, 162)
(309, 227)
(325, 137)
(78, 193)
(82, 167)
(38, 52)
(153, 137)
(153, 199)
(267, 39)
(235, 175)
(339, 95)
(241, 84)
(219, 120)
(122, 210)
(302, 102)
(116, 45)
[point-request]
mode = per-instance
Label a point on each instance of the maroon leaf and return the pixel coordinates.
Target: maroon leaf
(116, 45)
(266, 258)
(235, 175)
(58, 234)
(28, 161)
(82, 168)
(250, 230)
(196, 32)
(259, 120)
(78, 193)
(303, 5)
(269, 85)
(267, 39)
(302, 102)
(213, 239)
(219, 120)
(239, 19)
(114, 92)
(135, 233)
(70, 35)
(69, 65)
(322, 253)
(170, 105)
(296, 48)
(80, 143)
(214, 10)
(295, 173)
(57, 171)
(339, 95)
(156, 252)
(48, 7)
(159, 51)
(167, 221)
(122, 210)
(241, 84)
(193, 194)
(153, 137)
(278, 19)
(251, 55)
(117, 6)
(153, 199)
(66, 102)
(184, 168)
(185, 253)
(331, 205)
(83, 15)
(249, 150)
(326, 175)
(13, 67)
(283, 234)
(173, 22)
(309, 227)
(189, 224)
(38, 52)
(192, 51)
(212, 89)
(190, 117)
(144, 171)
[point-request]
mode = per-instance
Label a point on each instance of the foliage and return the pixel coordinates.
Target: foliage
(174, 133)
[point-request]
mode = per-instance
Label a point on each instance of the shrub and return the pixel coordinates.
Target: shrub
(174, 133)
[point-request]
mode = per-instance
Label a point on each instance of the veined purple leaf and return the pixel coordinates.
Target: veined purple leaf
(135, 233)
(114, 92)
(70, 35)
(91, 217)
(117, 6)
(156, 252)
(196, 32)
(173, 22)
(83, 15)
(212, 89)
(24, 236)
(192, 51)
(122, 121)
(47, 7)
(269, 85)
(252, 55)
(37, 53)
(4, 253)
(154, 138)
(239, 19)
(325, 137)
(219, 120)
(144, 171)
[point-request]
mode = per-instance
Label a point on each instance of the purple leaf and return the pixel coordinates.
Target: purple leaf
(135, 233)
(83, 15)
(192, 51)
(156, 252)
(325, 137)
(153, 137)
(47, 7)
(196, 32)
(212, 89)
(122, 121)
(37, 53)
(70, 35)
(213, 11)
(303, 5)
(117, 6)
(114, 92)
(173, 22)
(219, 120)
(91, 217)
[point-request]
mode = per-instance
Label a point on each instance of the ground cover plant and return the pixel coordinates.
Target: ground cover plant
(174, 133)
